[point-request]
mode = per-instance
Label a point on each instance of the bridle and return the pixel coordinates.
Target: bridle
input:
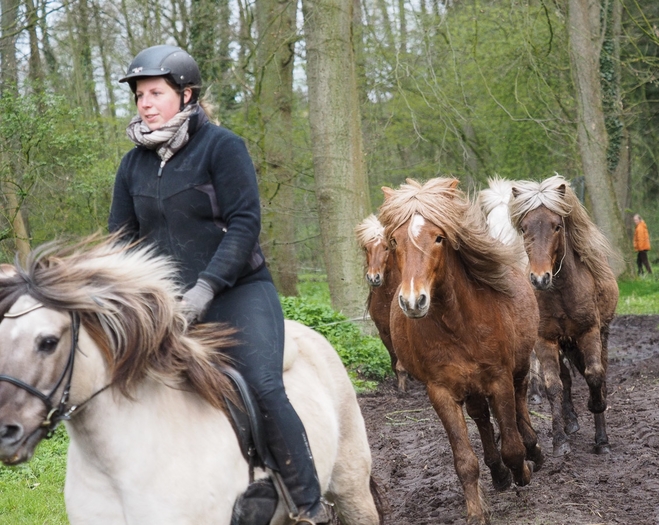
(59, 412)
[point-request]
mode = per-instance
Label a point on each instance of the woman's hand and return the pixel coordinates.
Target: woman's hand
(197, 300)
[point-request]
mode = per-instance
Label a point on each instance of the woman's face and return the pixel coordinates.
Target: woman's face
(157, 101)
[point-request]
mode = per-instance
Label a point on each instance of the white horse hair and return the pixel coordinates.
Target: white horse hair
(153, 449)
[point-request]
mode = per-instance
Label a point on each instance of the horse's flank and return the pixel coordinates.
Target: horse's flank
(127, 301)
(485, 259)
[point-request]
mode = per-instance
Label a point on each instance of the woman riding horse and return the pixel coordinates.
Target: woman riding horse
(189, 188)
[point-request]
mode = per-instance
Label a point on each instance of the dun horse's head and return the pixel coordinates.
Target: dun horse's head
(35, 347)
(544, 233)
(420, 248)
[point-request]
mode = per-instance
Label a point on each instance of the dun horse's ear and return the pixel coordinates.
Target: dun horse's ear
(454, 183)
(515, 192)
(561, 190)
(388, 192)
(7, 270)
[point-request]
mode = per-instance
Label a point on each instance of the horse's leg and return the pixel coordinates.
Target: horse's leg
(569, 414)
(601, 439)
(464, 458)
(513, 451)
(548, 354)
(529, 437)
(479, 411)
(535, 381)
(590, 345)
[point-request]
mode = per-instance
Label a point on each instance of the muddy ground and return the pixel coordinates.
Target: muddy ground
(413, 464)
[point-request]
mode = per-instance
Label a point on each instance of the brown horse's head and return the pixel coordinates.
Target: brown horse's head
(420, 249)
(544, 240)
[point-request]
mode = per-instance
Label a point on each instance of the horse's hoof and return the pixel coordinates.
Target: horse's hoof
(535, 455)
(478, 520)
(603, 448)
(561, 450)
(571, 426)
(502, 483)
(535, 399)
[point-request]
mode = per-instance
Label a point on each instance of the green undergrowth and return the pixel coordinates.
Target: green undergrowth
(33, 493)
(638, 296)
(364, 356)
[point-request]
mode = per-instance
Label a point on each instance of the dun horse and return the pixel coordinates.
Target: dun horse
(94, 334)
(577, 294)
(465, 327)
(494, 201)
(383, 278)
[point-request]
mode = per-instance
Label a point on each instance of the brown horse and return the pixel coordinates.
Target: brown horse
(577, 295)
(383, 279)
(465, 327)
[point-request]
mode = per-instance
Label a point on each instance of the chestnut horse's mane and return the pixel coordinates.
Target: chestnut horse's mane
(587, 240)
(484, 258)
(126, 297)
(369, 230)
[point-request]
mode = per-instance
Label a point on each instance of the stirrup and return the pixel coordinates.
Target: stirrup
(323, 516)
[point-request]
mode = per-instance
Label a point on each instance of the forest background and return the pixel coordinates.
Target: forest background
(336, 98)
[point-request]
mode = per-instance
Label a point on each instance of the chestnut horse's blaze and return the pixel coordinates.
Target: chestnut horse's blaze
(577, 295)
(466, 326)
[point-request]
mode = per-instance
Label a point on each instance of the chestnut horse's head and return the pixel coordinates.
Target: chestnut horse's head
(434, 229)
(370, 235)
(420, 249)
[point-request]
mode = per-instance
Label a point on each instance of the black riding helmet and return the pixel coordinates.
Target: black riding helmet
(170, 62)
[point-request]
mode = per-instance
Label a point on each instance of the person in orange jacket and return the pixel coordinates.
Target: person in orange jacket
(641, 244)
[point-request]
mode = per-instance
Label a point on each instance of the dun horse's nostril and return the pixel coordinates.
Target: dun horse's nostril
(10, 433)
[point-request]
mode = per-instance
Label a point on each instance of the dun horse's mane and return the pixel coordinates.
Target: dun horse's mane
(126, 297)
(484, 258)
(586, 239)
(369, 230)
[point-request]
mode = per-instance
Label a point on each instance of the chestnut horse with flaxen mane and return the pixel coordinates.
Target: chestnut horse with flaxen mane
(383, 278)
(465, 326)
(577, 294)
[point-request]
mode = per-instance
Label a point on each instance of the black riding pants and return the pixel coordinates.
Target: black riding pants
(253, 307)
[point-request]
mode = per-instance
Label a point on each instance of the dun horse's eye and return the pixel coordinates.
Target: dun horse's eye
(48, 344)
(522, 230)
(439, 239)
(558, 228)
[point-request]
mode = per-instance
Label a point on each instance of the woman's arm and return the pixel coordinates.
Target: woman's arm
(122, 211)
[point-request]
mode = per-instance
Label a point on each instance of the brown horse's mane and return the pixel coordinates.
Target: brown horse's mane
(369, 230)
(587, 240)
(484, 258)
(126, 297)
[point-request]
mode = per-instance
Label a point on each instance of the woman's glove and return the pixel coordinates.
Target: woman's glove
(197, 300)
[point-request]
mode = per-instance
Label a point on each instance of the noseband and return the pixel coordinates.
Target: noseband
(54, 414)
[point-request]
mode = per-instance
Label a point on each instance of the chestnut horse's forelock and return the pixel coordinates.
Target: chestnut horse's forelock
(556, 194)
(126, 297)
(369, 230)
(439, 201)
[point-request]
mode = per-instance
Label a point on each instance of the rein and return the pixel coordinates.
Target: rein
(60, 412)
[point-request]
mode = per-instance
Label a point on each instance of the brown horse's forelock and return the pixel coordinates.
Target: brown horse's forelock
(485, 259)
(586, 239)
(126, 299)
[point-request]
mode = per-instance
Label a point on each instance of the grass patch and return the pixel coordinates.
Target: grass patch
(33, 493)
(638, 296)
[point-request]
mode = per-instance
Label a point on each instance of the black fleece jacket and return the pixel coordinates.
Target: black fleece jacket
(202, 208)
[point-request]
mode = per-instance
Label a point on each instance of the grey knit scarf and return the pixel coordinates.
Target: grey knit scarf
(167, 139)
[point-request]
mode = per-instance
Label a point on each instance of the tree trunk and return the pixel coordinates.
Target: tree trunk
(341, 181)
(8, 20)
(275, 21)
(107, 69)
(584, 37)
(36, 71)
